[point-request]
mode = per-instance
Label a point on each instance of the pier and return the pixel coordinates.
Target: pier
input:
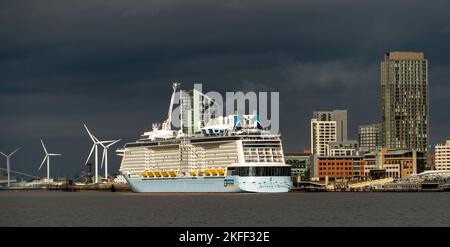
(68, 186)
(428, 181)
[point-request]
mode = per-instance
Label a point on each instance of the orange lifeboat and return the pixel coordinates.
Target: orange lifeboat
(221, 172)
(144, 174)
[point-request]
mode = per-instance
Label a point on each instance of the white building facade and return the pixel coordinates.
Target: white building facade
(346, 148)
(442, 156)
(340, 116)
(322, 134)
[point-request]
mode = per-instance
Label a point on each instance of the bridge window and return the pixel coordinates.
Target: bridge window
(251, 171)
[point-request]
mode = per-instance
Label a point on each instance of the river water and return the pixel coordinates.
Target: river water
(53, 208)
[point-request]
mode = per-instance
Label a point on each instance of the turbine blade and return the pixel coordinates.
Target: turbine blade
(44, 147)
(109, 145)
(43, 162)
(54, 154)
(90, 134)
(92, 150)
(14, 151)
(95, 138)
(4, 154)
(103, 158)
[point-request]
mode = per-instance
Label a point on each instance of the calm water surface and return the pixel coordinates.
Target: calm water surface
(51, 208)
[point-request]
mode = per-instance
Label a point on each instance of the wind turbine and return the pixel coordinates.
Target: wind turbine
(96, 142)
(7, 163)
(105, 154)
(47, 157)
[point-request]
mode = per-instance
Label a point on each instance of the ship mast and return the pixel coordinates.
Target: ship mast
(167, 125)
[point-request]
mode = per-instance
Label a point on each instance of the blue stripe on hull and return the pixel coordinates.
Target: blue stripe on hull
(183, 185)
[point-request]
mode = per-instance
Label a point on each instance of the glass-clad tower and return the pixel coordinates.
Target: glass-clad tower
(404, 92)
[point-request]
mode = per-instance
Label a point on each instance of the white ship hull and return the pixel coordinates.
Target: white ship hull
(211, 184)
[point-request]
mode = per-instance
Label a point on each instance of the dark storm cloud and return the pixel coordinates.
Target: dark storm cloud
(110, 63)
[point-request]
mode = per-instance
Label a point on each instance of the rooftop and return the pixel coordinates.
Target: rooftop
(404, 55)
(296, 154)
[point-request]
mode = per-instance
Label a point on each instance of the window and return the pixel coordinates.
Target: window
(246, 171)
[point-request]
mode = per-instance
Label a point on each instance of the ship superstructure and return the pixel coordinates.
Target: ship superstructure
(226, 154)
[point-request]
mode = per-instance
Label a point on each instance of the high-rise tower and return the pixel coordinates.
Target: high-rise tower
(404, 99)
(323, 133)
(340, 116)
(369, 137)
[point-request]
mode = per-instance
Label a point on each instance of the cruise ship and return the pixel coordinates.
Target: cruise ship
(207, 153)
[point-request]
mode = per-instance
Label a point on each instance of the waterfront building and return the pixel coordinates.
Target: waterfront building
(344, 148)
(404, 97)
(430, 162)
(323, 132)
(300, 165)
(340, 116)
(442, 156)
(338, 167)
(393, 163)
(369, 136)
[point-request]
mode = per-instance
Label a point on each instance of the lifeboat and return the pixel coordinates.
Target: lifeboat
(144, 174)
(208, 172)
(194, 173)
(221, 172)
(173, 173)
(151, 174)
(158, 174)
(166, 173)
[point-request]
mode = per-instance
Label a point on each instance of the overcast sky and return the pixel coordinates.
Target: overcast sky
(110, 64)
